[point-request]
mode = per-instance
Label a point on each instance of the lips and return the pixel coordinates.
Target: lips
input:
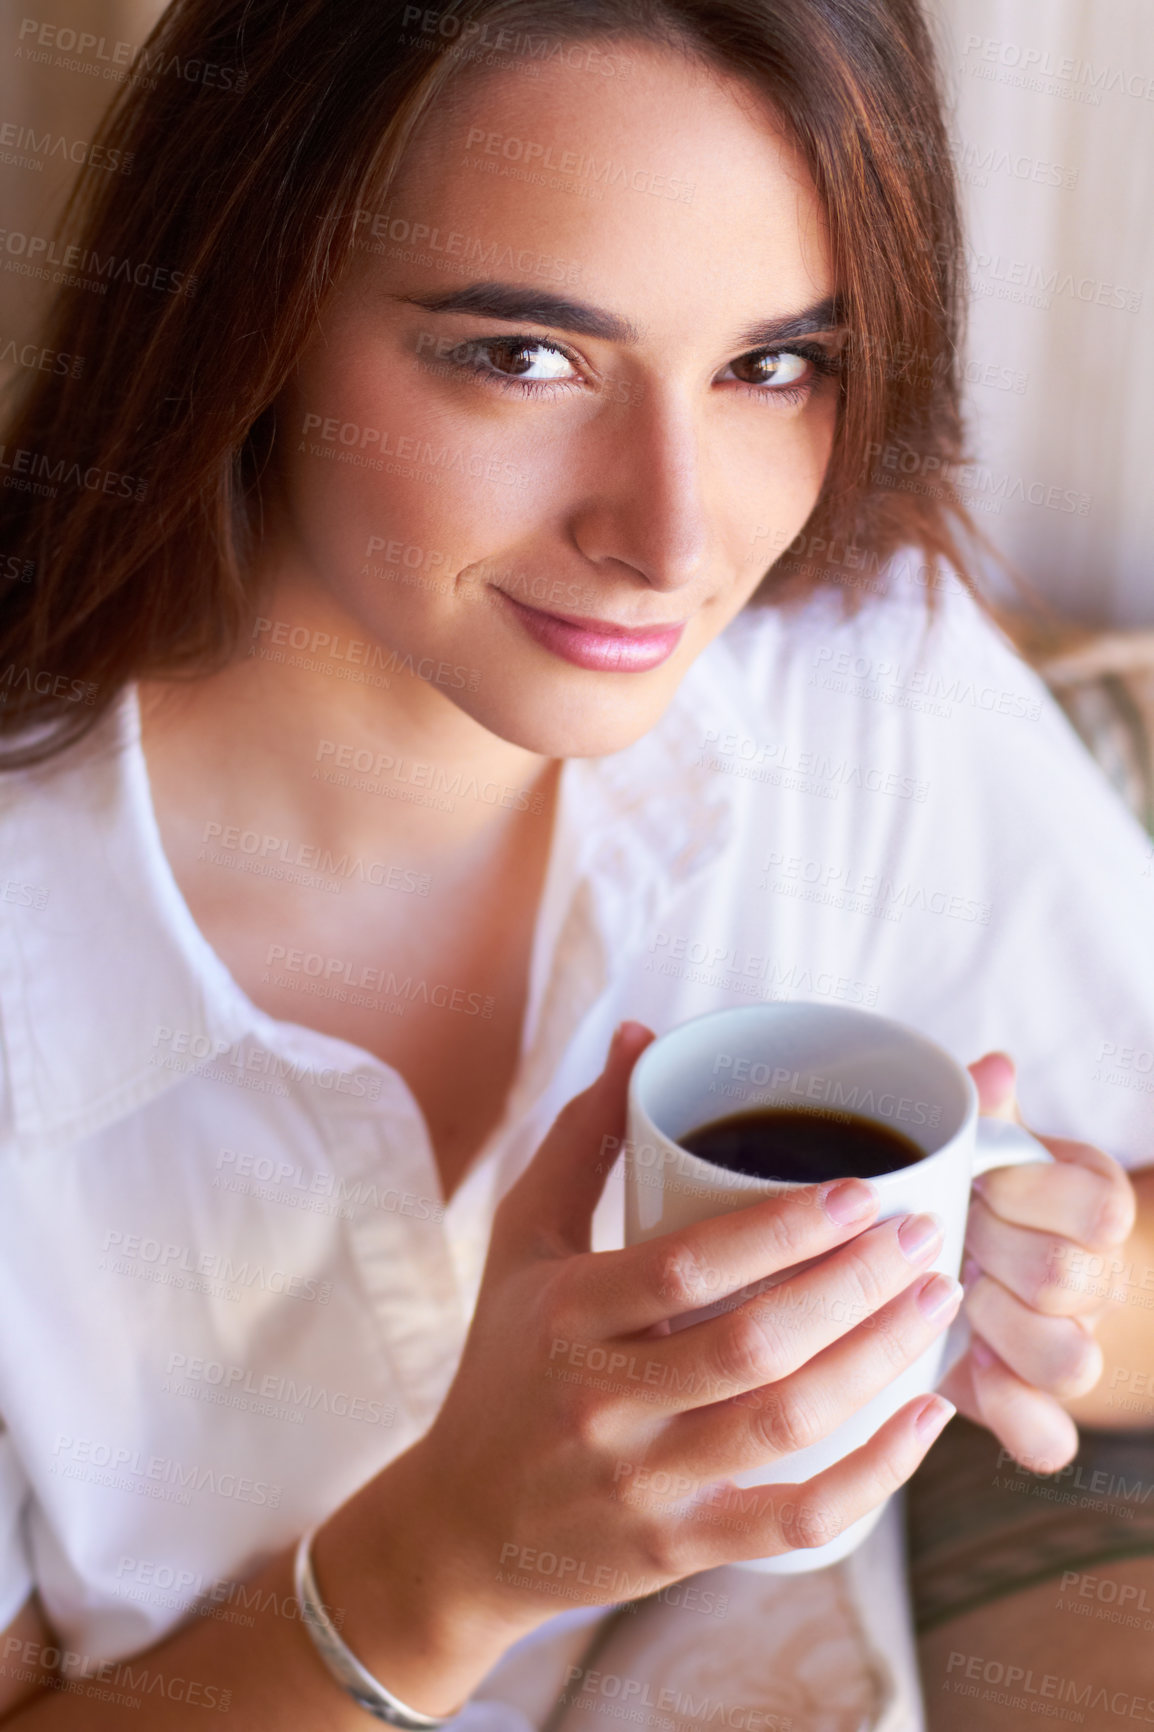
(596, 643)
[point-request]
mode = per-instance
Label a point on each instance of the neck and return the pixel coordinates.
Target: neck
(318, 732)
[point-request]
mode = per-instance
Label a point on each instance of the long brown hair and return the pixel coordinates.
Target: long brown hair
(132, 501)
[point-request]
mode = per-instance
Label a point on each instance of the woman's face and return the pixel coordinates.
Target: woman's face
(568, 402)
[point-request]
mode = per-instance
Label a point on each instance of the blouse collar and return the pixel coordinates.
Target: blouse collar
(106, 967)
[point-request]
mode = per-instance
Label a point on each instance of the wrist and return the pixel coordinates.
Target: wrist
(403, 1596)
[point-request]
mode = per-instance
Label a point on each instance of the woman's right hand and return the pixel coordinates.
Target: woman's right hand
(584, 1454)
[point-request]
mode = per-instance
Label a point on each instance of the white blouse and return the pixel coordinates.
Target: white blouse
(229, 1287)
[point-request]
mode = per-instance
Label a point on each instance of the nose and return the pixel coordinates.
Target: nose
(641, 500)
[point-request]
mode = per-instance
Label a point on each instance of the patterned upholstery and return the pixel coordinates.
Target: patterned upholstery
(1104, 682)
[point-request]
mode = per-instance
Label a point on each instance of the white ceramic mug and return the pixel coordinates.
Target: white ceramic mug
(824, 1058)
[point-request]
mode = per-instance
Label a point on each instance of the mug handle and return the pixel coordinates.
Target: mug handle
(997, 1143)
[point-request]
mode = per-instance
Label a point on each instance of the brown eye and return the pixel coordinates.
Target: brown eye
(516, 358)
(773, 367)
(512, 358)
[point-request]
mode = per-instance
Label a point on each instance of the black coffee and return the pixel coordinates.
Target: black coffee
(803, 1147)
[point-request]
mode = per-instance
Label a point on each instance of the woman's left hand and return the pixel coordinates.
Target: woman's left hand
(1030, 1300)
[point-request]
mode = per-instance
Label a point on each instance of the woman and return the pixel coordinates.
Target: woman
(394, 709)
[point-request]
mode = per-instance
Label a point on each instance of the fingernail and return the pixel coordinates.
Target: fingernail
(971, 1269)
(937, 1295)
(849, 1200)
(917, 1235)
(981, 1352)
(935, 1415)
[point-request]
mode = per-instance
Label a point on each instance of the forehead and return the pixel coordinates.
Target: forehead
(670, 192)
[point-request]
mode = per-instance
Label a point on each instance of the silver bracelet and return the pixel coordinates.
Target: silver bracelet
(344, 1666)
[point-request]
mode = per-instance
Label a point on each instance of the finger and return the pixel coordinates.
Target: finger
(995, 1077)
(1101, 1282)
(627, 1291)
(783, 1518)
(550, 1208)
(1087, 1197)
(783, 1417)
(1030, 1425)
(1056, 1354)
(958, 1386)
(1039, 1268)
(768, 1337)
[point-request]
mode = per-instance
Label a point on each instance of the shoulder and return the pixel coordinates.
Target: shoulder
(930, 705)
(61, 825)
(903, 627)
(81, 782)
(888, 674)
(70, 890)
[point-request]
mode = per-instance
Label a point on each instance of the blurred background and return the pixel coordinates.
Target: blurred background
(1052, 130)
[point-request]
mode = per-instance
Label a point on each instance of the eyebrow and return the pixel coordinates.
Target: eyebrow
(539, 307)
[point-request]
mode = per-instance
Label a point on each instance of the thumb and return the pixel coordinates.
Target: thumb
(997, 1081)
(551, 1205)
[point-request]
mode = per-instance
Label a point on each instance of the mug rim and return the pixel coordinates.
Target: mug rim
(697, 1165)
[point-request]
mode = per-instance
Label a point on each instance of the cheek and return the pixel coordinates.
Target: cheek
(776, 485)
(805, 463)
(380, 471)
(387, 478)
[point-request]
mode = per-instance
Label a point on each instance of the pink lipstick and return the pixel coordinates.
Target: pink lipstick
(598, 643)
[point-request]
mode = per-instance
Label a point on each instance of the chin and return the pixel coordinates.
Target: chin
(574, 725)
